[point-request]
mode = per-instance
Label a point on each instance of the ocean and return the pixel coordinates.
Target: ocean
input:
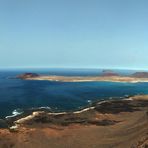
(18, 95)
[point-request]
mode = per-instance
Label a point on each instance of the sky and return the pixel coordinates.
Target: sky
(74, 33)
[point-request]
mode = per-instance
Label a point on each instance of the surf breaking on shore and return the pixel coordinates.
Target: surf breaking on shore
(120, 119)
(111, 106)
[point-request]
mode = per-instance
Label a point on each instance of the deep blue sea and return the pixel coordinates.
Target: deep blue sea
(62, 96)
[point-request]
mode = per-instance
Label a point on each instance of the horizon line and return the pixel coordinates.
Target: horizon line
(106, 68)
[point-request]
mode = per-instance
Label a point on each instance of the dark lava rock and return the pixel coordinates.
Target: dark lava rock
(115, 107)
(3, 124)
(104, 122)
(27, 75)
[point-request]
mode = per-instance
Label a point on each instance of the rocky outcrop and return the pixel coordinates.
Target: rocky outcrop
(87, 116)
(109, 73)
(140, 75)
(124, 119)
(3, 124)
(27, 75)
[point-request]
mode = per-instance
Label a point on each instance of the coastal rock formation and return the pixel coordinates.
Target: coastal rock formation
(113, 123)
(109, 73)
(27, 75)
(87, 116)
(140, 75)
(3, 124)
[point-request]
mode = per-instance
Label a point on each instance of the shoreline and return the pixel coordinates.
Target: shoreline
(20, 118)
(49, 110)
(116, 123)
(122, 79)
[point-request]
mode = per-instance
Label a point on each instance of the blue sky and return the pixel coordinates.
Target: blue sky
(74, 33)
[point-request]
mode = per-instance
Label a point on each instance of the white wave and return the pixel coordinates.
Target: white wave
(84, 110)
(15, 113)
(18, 111)
(89, 101)
(128, 99)
(45, 107)
(42, 107)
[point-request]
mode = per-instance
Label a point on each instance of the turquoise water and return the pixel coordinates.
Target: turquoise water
(62, 96)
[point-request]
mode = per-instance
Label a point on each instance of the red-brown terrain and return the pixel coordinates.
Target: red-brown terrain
(112, 124)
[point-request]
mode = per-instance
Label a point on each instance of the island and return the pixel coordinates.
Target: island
(108, 76)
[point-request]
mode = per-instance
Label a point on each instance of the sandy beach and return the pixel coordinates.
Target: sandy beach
(89, 79)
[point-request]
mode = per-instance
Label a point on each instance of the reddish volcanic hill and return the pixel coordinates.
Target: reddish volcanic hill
(109, 73)
(27, 75)
(140, 74)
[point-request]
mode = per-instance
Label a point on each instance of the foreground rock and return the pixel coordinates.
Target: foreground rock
(114, 123)
(3, 124)
(88, 116)
(130, 133)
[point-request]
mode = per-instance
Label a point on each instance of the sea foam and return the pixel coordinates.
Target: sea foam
(15, 113)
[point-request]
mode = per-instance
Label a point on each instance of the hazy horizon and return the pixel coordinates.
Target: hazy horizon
(72, 68)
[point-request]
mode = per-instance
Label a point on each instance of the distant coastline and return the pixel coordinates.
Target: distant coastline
(107, 76)
(91, 79)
